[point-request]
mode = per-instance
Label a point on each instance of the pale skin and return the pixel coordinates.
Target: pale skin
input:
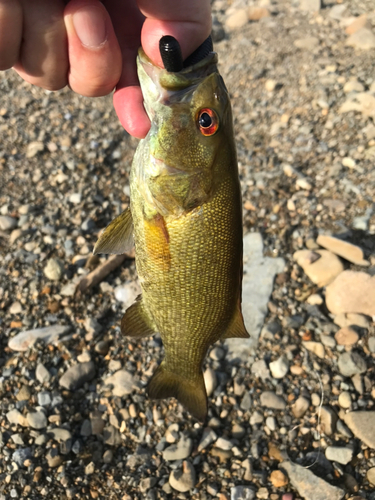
(91, 46)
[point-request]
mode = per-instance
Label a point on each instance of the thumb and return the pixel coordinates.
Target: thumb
(94, 53)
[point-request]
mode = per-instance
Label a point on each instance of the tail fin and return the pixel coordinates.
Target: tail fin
(192, 394)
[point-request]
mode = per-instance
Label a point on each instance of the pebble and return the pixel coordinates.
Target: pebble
(7, 223)
(183, 480)
(271, 423)
(42, 374)
(315, 299)
(210, 380)
(363, 39)
(350, 363)
(307, 43)
(278, 479)
(108, 456)
(77, 375)
(53, 458)
(270, 85)
(309, 486)
(75, 198)
(353, 85)
(256, 13)
(36, 419)
(237, 19)
(54, 269)
(300, 407)
(16, 417)
(127, 293)
(358, 23)
(33, 148)
(208, 437)
(180, 450)
(60, 434)
(24, 393)
(346, 250)
(346, 336)
(350, 319)
(280, 367)
(362, 425)
(371, 476)
(111, 436)
(242, 493)
(321, 266)
(316, 348)
(49, 334)
(224, 444)
(310, 5)
(345, 401)
(15, 308)
(341, 454)
(122, 382)
(21, 455)
(328, 420)
(371, 344)
(352, 292)
(217, 353)
(44, 398)
(256, 418)
(269, 399)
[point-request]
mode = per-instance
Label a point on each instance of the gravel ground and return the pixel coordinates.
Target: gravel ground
(292, 418)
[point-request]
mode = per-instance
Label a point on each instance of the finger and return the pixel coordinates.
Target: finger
(94, 53)
(10, 32)
(188, 21)
(127, 100)
(43, 60)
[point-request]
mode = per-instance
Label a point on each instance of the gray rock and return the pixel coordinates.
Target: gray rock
(257, 286)
(36, 419)
(242, 493)
(7, 223)
(42, 374)
(307, 43)
(280, 367)
(180, 450)
(309, 486)
(246, 402)
(127, 293)
(183, 480)
(224, 444)
(371, 476)
(111, 436)
(256, 418)
(270, 400)
(77, 375)
(351, 363)
(362, 424)
(54, 269)
(371, 344)
(20, 455)
(341, 454)
(16, 308)
(44, 398)
(86, 428)
(24, 340)
(122, 382)
(208, 437)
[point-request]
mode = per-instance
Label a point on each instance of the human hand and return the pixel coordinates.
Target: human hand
(92, 45)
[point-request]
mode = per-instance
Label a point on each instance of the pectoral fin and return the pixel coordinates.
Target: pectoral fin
(236, 327)
(117, 237)
(137, 322)
(191, 394)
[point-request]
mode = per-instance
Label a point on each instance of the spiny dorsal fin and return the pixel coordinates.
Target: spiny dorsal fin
(236, 328)
(191, 394)
(117, 237)
(136, 322)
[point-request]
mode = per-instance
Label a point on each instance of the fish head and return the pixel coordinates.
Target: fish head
(190, 115)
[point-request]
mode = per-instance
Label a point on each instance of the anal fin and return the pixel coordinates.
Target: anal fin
(191, 394)
(117, 237)
(137, 322)
(236, 328)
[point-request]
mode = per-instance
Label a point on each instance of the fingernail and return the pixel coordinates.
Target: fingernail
(89, 23)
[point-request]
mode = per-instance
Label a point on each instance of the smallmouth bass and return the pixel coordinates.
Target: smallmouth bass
(186, 219)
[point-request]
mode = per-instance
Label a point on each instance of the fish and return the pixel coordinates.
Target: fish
(185, 219)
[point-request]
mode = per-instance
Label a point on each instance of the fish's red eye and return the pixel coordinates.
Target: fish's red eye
(208, 121)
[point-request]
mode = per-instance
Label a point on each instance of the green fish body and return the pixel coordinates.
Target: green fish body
(186, 219)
